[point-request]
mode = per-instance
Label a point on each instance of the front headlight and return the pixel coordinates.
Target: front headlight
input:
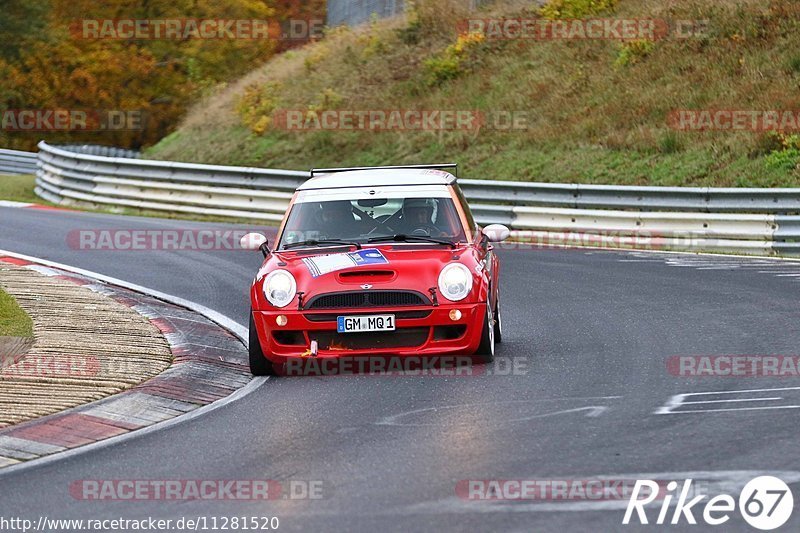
(455, 282)
(280, 288)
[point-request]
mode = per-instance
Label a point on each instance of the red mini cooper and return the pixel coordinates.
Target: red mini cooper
(376, 262)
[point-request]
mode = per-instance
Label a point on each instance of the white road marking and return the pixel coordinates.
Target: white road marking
(677, 401)
(734, 400)
(775, 266)
(593, 411)
(765, 408)
(740, 391)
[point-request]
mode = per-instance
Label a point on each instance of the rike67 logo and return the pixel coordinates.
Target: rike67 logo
(765, 503)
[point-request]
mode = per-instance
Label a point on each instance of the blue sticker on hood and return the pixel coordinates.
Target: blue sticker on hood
(368, 257)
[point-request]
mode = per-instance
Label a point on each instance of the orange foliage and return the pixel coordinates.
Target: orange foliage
(52, 67)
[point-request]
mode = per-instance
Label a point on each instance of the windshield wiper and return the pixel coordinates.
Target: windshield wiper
(320, 242)
(402, 237)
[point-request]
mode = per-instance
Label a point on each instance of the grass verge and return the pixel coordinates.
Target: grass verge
(19, 189)
(14, 322)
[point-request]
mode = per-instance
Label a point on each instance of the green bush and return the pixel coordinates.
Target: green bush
(256, 105)
(669, 143)
(765, 143)
(441, 69)
(450, 63)
(787, 158)
(575, 9)
(634, 51)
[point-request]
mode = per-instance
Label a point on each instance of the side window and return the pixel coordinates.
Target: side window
(465, 206)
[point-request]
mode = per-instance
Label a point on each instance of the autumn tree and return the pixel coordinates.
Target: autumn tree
(46, 62)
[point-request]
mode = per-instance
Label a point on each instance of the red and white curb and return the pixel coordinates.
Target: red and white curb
(209, 368)
(26, 205)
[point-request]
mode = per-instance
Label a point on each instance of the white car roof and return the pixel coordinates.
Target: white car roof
(382, 177)
(372, 192)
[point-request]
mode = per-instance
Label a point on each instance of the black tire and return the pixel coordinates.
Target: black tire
(498, 322)
(485, 353)
(259, 365)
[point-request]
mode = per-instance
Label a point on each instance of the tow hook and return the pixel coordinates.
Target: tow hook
(435, 299)
(314, 348)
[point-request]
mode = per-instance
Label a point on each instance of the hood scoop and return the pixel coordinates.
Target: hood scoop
(366, 276)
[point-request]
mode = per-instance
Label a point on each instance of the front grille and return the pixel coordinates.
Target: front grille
(376, 340)
(355, 299)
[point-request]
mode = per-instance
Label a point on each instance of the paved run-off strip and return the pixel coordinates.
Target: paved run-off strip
(161, 362)
(87, 346)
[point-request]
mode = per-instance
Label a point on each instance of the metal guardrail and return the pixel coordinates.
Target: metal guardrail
(105, 151)
(67, 176)
(762, 221)
(13, 162)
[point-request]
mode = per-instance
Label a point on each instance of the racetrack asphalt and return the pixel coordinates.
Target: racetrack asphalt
(590, 332)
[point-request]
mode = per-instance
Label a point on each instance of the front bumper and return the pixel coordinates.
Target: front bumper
(419, 331)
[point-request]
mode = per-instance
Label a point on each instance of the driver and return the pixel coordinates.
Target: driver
(417, 215)
(337, 220)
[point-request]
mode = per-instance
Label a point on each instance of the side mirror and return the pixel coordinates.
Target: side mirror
(496, 232)
(255, 241)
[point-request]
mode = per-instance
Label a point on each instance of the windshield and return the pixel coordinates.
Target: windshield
(365, 220)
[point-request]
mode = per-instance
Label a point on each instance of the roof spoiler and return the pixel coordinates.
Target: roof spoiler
(439, 166)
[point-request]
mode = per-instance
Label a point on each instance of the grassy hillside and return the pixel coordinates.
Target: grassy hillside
(596, 111)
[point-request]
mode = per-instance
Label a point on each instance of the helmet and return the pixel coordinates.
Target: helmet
(336, 210)
(418, 207)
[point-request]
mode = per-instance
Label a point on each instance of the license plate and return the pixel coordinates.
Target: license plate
(352, 324)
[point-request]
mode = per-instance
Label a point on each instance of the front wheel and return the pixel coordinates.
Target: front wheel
(259, 365)
(485, 353)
